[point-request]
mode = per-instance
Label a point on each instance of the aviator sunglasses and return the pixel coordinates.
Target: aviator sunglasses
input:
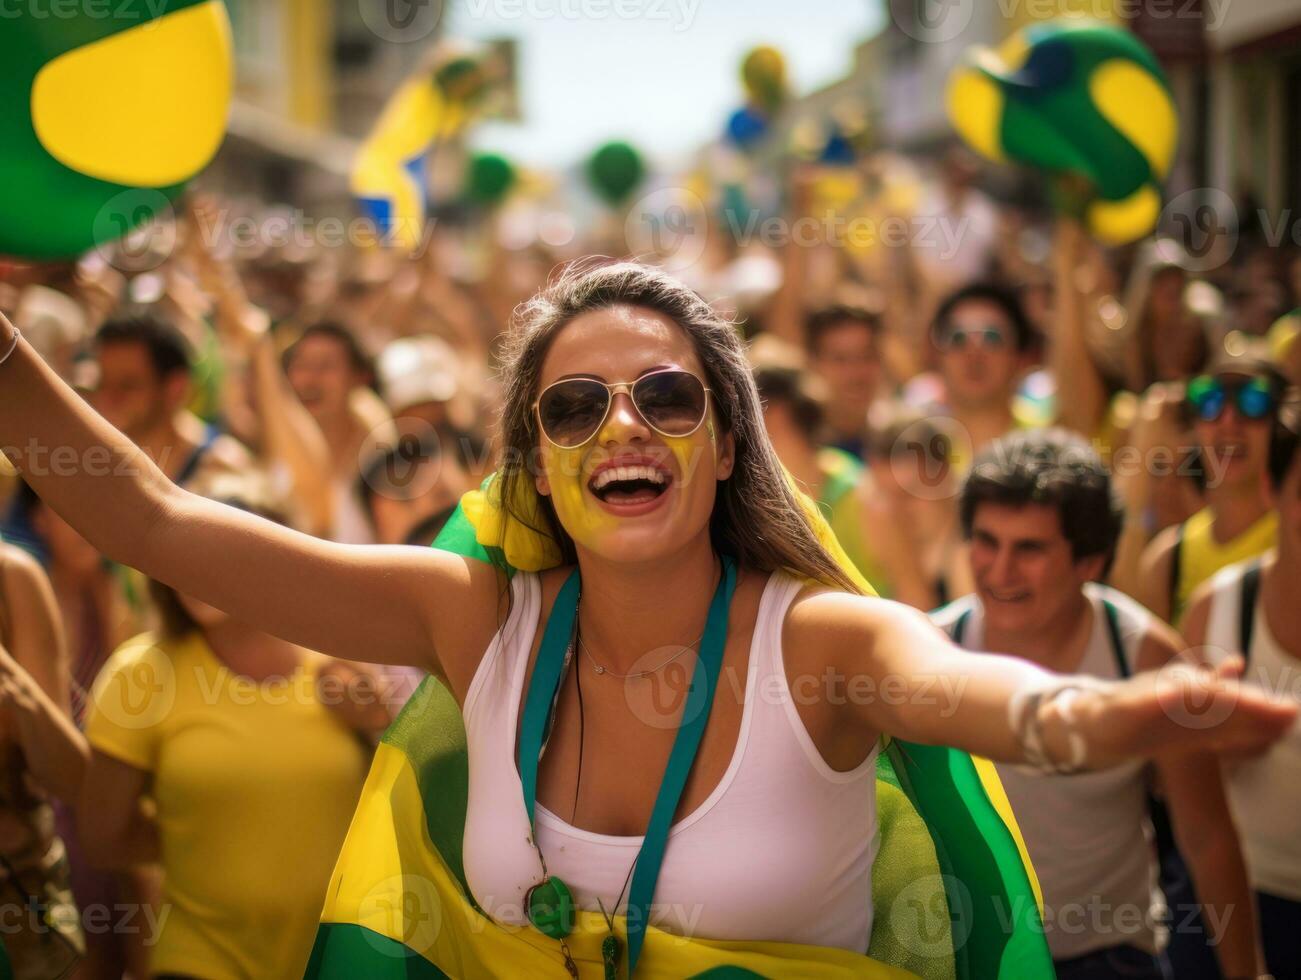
(1254, 398)
(671, 401)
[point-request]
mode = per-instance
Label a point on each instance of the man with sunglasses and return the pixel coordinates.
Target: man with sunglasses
(982, 336)
(1231, 409)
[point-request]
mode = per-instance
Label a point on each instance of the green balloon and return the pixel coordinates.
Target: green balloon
(1083, 101)
(48, 209)
(614, 171)
(488, 179)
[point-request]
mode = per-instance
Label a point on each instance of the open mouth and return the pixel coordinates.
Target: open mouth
(1009, 596)
(629, 485)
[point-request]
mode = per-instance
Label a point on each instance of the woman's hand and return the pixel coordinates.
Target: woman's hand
(1179, 708)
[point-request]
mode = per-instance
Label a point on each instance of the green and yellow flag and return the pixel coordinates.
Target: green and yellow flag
(954, 895)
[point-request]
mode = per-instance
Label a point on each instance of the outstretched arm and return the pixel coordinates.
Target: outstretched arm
(392, 605)
(925, 689)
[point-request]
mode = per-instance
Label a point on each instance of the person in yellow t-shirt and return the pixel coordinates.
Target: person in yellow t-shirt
(1233, 408)
(234, 760)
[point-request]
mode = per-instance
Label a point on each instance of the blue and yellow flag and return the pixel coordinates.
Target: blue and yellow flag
(390, 174)
(953, 893)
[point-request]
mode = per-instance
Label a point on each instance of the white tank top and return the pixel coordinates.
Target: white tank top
(1265, 792)
(781, 850)
(1089, 835)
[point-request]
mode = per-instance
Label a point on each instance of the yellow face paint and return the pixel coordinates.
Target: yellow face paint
(585, 523)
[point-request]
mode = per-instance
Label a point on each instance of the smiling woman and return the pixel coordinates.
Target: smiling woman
(626, 322)
(682, 800)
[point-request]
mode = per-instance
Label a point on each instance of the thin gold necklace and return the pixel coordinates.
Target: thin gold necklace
(602, 669)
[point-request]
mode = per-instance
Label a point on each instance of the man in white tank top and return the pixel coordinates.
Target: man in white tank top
(1042, 522)
(1250, 609)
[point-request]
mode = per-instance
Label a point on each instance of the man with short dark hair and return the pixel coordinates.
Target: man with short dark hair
(143, 387)
(983, 338)
(1042, 520)
(843, 344)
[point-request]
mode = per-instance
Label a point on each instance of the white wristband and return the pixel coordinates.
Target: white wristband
(13, 345)
(1025, 719)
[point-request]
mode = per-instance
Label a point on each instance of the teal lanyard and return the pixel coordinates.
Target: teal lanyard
(538, 705)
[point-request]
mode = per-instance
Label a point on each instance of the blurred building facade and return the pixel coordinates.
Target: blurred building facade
(311, 77)
(1234, 70)
(1253, 73)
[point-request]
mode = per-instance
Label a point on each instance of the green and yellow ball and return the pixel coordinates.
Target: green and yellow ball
(109, 110)
(1080, 99)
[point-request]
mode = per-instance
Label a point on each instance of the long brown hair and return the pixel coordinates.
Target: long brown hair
(756, 517)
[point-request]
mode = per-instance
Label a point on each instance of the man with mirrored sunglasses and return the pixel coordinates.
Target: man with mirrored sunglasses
(1230, 410)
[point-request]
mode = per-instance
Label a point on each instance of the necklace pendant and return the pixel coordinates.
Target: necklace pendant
(611, 948)
(550, 908)
(600, 669)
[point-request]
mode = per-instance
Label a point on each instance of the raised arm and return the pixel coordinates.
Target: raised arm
(1081, 391)
(379, 604)
(915, 684)
(287, 433)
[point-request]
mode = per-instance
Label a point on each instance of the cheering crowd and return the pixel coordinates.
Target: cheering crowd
(1085, 458)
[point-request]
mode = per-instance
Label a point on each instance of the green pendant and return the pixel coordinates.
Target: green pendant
(551, 908)
(610, 950)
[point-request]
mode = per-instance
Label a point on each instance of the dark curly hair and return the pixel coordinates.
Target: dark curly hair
(1055, 468)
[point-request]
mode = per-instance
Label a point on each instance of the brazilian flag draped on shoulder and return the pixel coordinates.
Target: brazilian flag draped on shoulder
(954, 895)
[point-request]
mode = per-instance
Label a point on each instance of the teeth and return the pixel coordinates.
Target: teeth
(614, 473)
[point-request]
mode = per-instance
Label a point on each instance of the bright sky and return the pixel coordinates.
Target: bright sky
(665, 79)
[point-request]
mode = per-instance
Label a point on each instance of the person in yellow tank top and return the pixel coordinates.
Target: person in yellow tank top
(1233, 408)
(214, 746)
